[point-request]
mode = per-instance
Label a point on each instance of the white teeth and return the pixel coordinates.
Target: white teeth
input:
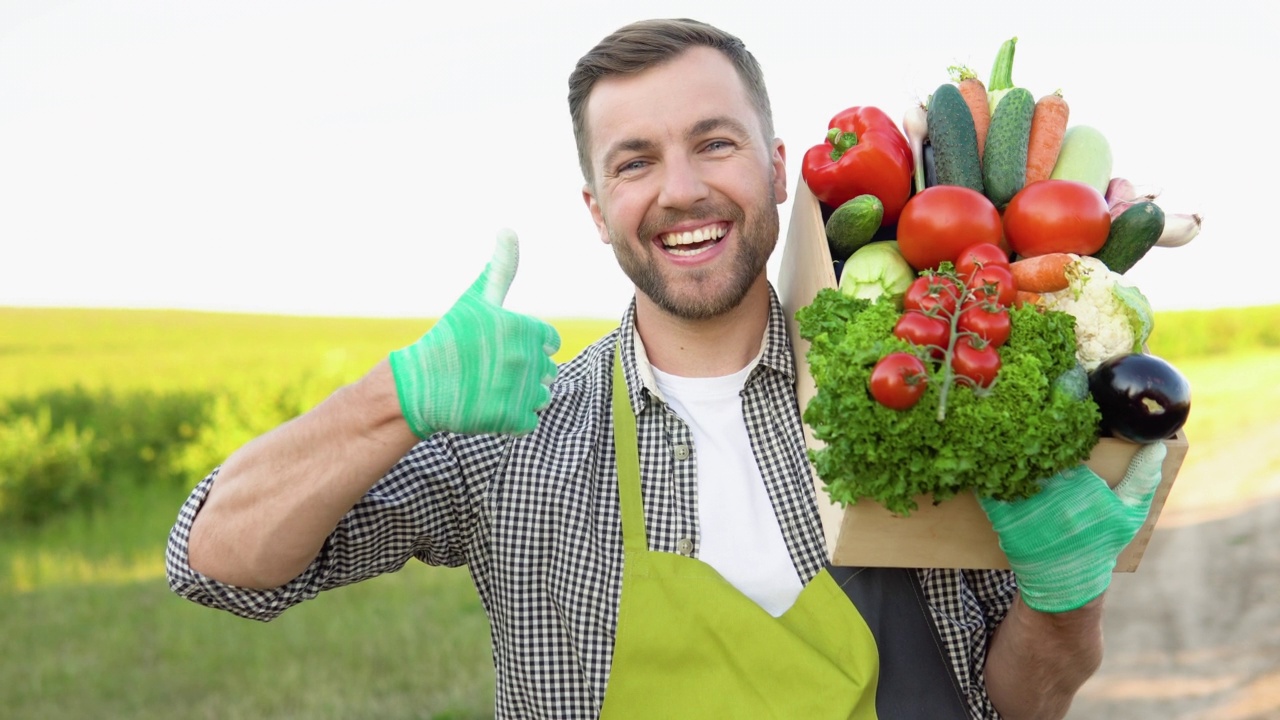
(687, 253)
(702, 234)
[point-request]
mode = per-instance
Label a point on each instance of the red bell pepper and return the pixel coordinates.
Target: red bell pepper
(864, 154)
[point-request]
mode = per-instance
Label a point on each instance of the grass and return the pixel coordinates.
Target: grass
(90, 629)
(409, 645)
(115, 544)
(1231, 392)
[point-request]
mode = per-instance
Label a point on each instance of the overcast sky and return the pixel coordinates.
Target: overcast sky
(357, 158)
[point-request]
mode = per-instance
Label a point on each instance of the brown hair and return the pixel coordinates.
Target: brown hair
(644, 44)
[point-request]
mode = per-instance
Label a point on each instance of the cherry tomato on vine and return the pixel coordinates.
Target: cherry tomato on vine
(924, 330)
(983, 254)
(987, 320)
(977, 360)
(929, 291)
(994, 283)
(898, 380)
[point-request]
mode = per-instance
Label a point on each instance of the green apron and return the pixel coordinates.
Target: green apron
(690, 645)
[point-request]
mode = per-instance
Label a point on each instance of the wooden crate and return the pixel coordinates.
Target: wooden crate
(952, 534)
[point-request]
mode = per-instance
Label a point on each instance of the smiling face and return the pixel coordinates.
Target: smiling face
(686, 186)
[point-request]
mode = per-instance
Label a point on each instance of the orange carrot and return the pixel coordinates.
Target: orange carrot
(1026, 298)
(1042, 273)
(975, 96)
(1048, 124)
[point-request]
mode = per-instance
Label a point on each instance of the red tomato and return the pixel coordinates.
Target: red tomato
(938, 222)
(977, 360)
(994, 283)
(930, 291)
(987, 320)
(1056, 216)
(980, 255)
(898, 380)
(924, 330)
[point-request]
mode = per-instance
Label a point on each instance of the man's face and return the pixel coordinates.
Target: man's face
(686, 186)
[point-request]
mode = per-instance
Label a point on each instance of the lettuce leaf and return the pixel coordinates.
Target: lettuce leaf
(999, 442)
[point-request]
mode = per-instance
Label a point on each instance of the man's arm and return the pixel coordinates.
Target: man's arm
(1062, 545)
(274, 502)
(276, 499)
(1038, 661)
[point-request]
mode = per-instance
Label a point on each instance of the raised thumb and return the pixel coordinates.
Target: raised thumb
(1143, 475)
(502, 267)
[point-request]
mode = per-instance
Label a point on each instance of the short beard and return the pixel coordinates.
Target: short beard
(755, 243)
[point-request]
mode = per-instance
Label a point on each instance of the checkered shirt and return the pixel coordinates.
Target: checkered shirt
(537, 522)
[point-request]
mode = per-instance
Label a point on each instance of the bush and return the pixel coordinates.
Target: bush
(238, 415)
(108, 443)
(135, 434)
(44, 471)
(1225, 331)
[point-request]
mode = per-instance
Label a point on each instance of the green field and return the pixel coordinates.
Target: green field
(138, 405)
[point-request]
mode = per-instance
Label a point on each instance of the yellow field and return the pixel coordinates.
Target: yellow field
(121, 350)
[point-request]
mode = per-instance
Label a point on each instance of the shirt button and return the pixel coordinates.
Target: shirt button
(684, 546)
(681, 452)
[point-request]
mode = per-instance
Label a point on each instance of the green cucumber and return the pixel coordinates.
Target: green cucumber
(853, 225)
(1133, 233)
(1004, 162)
(1085, 157)
(954, 139)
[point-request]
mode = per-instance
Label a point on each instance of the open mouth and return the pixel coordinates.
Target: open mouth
(694, 242)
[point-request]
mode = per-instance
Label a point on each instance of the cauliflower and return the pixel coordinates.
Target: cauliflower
(1112, 316)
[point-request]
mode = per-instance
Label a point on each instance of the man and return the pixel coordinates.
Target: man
(643, 533)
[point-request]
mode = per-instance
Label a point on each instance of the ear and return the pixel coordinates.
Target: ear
(597, 216)
(779, 162)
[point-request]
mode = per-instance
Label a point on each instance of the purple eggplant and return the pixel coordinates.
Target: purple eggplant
(1143, 398)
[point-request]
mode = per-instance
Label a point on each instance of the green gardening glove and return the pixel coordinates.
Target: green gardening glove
(480, 369)
(1062, 542)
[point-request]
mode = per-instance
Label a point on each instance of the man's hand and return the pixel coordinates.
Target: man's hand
(1062, 543)
(480, 369)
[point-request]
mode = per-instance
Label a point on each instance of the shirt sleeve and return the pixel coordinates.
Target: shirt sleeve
(967, 607)
(423, 507)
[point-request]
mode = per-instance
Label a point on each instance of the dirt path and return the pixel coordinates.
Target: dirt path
(1194, 634)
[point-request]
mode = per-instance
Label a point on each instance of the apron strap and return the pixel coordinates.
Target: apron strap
(917, 681)
(624, 442)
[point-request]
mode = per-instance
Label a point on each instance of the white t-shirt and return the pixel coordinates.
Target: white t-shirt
(738, 528)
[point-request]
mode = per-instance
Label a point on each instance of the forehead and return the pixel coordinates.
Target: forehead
(667, 99)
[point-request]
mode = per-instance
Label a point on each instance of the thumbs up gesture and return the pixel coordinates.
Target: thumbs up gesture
(1062, 543)
(481, 368)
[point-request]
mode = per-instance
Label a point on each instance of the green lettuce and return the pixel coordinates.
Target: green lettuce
(998, 442)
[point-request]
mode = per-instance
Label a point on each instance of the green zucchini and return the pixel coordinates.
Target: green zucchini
(1085, 157)
(1001, 80)
(1004, 162)
(954, 139)
(1133, 233)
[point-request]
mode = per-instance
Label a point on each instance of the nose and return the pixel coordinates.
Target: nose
(682, 184)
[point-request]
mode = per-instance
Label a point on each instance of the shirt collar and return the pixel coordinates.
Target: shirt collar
(775, 353)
